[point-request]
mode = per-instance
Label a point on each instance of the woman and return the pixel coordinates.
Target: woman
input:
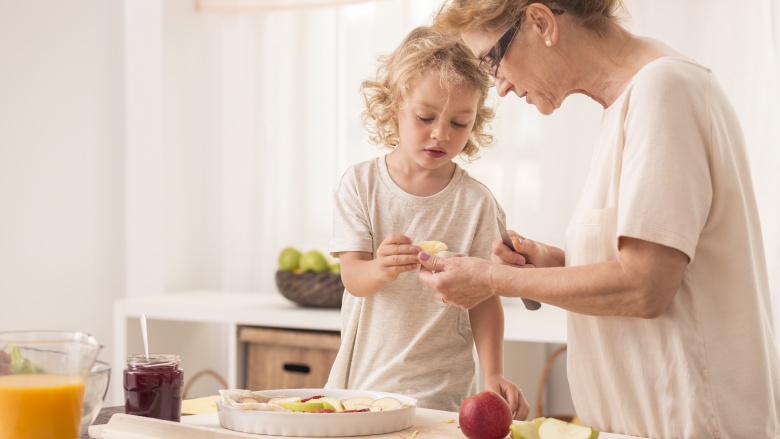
(664, 274)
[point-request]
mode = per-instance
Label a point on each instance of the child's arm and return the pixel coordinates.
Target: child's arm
(487, 325)
(364, 276)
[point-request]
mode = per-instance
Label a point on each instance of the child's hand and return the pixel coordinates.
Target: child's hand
(512, 394)
(396, 255)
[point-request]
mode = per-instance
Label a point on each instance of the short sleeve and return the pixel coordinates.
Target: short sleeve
(665, 187)
(351, 229)
(486, 230)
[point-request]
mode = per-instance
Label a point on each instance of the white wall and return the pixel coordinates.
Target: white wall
(61, 169)
(62, 164)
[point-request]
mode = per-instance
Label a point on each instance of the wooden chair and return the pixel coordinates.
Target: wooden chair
(540, 392)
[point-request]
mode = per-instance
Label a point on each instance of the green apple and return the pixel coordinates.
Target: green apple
(302, 406)
(526, 430)
(330, 403)
(314, 261)
(289, 259)
(552, 428)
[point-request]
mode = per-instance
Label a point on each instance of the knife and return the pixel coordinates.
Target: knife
(530, 305)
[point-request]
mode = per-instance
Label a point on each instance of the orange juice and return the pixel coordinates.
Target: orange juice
(40, 406)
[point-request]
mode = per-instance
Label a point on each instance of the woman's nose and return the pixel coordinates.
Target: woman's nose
(502, 86)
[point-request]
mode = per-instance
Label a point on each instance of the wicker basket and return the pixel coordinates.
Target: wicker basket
(318, 290)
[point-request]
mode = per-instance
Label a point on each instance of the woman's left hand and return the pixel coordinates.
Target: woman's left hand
(512, 394)
(462, 281)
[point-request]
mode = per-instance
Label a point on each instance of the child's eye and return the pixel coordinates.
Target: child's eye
(460, 125)
(425, 119)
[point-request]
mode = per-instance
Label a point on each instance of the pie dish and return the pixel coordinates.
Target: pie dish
(274, 423)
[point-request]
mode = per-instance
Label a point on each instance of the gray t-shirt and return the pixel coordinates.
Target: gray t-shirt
(401, 340)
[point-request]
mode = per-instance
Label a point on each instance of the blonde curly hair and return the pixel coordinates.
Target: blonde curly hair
(424, 50)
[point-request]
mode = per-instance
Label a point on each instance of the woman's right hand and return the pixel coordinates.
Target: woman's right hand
(529, 253)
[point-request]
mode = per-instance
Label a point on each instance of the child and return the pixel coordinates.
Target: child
(427, 105)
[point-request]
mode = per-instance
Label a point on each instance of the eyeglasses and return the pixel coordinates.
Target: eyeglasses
(492, 59)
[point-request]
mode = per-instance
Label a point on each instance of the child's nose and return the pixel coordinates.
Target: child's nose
(440, 131)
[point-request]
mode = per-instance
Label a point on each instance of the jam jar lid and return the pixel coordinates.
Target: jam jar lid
(154, 360)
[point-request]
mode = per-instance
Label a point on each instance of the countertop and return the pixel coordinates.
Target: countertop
(428, 424)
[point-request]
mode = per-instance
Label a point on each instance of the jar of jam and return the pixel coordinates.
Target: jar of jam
(153, 386)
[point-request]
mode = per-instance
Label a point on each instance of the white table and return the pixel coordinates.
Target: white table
(428, 423)
(546, 325)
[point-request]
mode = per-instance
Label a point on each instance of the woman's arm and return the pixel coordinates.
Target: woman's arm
(642, 282)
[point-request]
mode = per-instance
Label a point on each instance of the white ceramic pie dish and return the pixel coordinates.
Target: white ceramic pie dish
(319, 424)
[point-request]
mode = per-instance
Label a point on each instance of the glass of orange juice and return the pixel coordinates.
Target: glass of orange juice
(42, 380)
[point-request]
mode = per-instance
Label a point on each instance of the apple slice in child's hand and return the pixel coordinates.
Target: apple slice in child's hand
(432, 247)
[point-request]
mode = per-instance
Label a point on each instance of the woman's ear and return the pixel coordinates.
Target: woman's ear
(545, 26)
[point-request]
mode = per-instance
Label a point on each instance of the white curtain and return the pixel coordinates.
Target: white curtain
(262, 117)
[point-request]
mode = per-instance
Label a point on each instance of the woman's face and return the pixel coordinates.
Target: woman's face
(522, 69)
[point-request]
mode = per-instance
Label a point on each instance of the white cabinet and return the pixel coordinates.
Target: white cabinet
(203, 328)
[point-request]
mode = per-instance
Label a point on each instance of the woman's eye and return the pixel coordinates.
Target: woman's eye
(488, 60)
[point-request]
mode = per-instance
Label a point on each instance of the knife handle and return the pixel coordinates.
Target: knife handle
(531, 305)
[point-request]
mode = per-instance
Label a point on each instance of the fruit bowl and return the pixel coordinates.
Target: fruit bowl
(298, 424)
(317, 290)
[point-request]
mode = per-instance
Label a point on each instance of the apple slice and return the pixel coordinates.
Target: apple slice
(432, 247)
(387, 403)
(526, 430)
(303, 406)
(280, 401)
(330, 403)
(357, 403)
(552, 428)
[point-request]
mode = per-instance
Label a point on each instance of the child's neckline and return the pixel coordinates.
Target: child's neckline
(384, 172)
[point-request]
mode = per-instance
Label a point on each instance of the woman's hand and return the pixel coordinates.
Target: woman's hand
(462, 281)
(512, 394)
(529, 253)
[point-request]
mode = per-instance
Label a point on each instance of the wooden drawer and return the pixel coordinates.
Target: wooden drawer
(288, 359)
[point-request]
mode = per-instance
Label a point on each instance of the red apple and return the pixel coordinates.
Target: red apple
(485, 416)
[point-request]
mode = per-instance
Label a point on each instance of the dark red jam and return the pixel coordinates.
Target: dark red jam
(153, 386)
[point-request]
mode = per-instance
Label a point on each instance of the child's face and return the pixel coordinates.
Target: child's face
(435, 125)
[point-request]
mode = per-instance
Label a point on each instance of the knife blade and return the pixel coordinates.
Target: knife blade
(530, 305)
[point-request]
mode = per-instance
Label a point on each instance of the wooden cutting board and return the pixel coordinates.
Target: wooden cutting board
(429, 424)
